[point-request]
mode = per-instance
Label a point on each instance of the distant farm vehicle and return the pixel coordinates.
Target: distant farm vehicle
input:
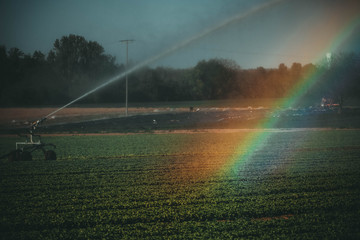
(24, 149)
(329, 103)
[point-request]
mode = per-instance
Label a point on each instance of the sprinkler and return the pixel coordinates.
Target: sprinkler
(32, 143)
(24, 149)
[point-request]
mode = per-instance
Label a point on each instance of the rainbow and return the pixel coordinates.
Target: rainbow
(256, 139)
(235, 151)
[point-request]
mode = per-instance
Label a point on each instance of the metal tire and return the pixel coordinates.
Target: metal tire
(50, 155)
(15, 156)
(26, 156)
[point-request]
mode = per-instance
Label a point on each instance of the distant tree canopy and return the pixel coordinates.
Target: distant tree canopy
(75, 66)
(79, 64)
(70, 68)
(339, 79)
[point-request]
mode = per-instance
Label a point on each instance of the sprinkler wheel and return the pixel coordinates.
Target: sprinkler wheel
(19, 155)
(50, 155)
(14, 155)
(26, 156)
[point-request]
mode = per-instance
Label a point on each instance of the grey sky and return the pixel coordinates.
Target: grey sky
(291, 31)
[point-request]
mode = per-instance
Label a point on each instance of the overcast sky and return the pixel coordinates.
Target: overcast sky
(286, 32)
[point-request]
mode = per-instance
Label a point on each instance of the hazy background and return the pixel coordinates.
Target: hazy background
(292, 31)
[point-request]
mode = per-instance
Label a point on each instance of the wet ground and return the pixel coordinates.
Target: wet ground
(111, 121)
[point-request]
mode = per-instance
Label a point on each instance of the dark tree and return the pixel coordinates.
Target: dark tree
(75, 66)
(81, 64)
(343, 77)
(215, 78)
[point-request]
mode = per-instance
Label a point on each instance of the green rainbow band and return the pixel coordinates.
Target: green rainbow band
(256, 139)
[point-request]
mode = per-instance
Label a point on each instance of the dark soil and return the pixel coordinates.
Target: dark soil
(214, 119)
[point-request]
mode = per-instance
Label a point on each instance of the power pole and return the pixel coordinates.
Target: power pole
(126, 81)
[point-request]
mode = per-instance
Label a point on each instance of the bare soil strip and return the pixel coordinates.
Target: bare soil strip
(74, 114)
(111, 121)
(188, 131)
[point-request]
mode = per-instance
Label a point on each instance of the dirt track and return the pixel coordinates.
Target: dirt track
(189, 131)
(151, 120)
(22, 117)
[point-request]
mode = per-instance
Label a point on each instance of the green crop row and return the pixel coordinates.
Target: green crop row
(295, 185)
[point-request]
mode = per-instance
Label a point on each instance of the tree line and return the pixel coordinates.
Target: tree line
(75, 65)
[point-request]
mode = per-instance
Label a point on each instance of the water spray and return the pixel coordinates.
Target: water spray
(24, 149)
(328, 58)
(175, 48)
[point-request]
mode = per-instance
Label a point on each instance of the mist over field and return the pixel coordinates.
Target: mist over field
(76, 61)
(77, 65)
(186, 119)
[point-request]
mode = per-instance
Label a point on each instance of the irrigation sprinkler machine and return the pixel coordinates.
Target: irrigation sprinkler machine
(32, 143)
(24, 149)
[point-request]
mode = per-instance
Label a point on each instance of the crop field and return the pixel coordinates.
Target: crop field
(251, 184)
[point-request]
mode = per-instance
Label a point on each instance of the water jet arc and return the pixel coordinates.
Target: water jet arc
(175, 48)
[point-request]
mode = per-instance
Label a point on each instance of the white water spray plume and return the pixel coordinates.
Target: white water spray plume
(175, 48)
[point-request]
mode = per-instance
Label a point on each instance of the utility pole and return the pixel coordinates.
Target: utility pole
(127, 67)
